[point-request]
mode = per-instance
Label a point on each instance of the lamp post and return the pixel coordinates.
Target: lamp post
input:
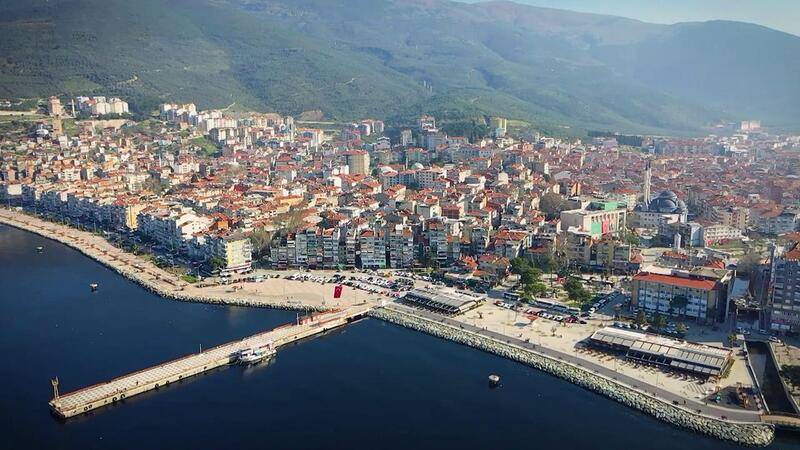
(54, 382)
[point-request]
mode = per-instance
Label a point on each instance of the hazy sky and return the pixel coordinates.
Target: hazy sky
(782, 15)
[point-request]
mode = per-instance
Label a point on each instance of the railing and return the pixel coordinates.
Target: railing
(783, 420)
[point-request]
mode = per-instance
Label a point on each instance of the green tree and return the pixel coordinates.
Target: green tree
(535, 289)
(576, 292)
(681, 329)
(572, 285)
(641, 318)
(660, 322)
(530, 276)
(519, 265)
(545, 263)
(679, 303)
(217, 263)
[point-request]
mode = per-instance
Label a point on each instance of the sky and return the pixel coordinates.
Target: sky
(781, 15)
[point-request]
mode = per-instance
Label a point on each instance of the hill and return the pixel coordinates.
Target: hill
(395, 59)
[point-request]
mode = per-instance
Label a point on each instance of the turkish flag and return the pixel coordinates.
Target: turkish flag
(337, 291)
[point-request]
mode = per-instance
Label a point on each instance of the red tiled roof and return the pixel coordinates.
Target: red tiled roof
(794, 254)
(705, 285)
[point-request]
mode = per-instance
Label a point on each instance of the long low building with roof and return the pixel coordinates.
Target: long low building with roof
(698, 359)
(445, 301)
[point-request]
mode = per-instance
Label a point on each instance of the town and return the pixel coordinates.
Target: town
(669, 251)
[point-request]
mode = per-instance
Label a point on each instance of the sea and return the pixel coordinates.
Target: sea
(370, 385)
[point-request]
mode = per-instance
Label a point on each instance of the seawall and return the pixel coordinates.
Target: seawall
(751, 434)
(137, 278)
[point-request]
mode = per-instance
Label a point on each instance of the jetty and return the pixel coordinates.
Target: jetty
(117, 390)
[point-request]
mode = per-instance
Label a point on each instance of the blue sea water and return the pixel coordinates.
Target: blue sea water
(370, 385)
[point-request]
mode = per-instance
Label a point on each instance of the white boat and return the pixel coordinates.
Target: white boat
(254, 355)
(39, 249)
(93, 286)
(494, 379)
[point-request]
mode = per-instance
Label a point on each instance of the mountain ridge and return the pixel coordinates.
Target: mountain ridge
(357, 58)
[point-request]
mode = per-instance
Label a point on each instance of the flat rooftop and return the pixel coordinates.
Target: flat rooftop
(703, 359)
(448, 301)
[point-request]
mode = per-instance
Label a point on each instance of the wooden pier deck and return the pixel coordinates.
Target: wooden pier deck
(113, 391)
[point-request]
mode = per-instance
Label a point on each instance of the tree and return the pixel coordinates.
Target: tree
(260, 239)
(681, 329)
(641, 318)
(551, 204)
(660, 322)
(545, 263)
(519, 265)
(153, 185)
(576, 291)
(217, 263)
(530, 276)
(629, 237)
(572, 284)
(535, 289)
(679, 303)
(748, 263)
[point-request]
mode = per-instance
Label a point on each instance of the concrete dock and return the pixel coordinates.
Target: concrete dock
(113, 391)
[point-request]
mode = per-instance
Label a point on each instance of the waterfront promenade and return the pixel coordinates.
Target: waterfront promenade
(273, 292)
(168, 285)
(711, 410)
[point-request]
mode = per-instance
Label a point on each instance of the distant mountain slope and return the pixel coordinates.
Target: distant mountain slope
(398, 58)
(737, 67)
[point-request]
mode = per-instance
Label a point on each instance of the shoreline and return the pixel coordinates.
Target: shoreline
(756, 434)
(138, 278)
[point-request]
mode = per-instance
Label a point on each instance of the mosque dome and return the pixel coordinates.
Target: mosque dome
(667, 202)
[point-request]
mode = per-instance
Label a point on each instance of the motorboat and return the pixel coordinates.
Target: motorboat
(93, 286)
(254, 355)
(494, 380)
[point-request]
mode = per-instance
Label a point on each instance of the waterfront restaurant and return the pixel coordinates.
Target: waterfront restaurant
(448, 302)
(697, 359)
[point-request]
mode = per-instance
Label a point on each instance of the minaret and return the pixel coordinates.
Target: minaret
(648, 171)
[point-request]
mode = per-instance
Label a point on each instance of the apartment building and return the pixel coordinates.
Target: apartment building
(705, 292)
(783, 302)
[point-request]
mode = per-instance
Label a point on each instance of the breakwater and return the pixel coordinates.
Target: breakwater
(751, 434)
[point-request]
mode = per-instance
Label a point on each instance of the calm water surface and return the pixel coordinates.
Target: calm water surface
(371, 385)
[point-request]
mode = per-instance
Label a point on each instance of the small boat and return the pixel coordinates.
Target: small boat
(39, 249)
(494, 380)
(93, 286)
(254, 355)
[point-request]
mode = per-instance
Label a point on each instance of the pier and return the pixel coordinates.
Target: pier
(110, 392)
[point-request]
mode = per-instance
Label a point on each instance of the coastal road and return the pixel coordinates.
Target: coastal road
(655, 391)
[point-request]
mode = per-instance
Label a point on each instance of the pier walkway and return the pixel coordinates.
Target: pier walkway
(92, 397)
(783, 421)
